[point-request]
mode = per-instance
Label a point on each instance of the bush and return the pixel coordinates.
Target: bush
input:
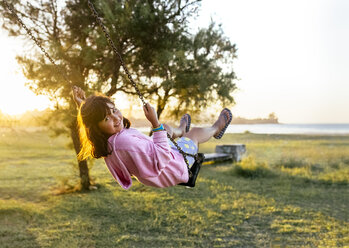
(249, 168)
(291, 163)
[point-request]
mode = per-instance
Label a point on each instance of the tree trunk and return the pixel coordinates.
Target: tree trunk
(83, 168)
(162, 103)
(159, 111)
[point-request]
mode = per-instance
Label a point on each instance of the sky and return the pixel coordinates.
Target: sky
(293, 59)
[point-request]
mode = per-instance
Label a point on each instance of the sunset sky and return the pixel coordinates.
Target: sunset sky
(293, 59)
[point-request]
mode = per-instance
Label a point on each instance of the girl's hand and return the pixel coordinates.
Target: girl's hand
(151, 115)
(78, 95)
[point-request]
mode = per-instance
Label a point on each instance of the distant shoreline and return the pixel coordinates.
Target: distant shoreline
(254, 121)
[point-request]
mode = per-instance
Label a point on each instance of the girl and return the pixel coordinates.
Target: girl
(154, 161)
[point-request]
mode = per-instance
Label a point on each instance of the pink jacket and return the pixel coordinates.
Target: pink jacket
(149, 159)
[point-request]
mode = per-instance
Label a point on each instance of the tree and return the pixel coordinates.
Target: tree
(272, 116)
(168, 62)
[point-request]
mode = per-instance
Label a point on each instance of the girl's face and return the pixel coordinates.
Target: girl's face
(113, 122)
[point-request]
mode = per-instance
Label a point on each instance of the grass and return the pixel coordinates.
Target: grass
(289, 191)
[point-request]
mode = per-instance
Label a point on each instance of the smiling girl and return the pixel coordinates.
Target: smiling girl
(154, 161)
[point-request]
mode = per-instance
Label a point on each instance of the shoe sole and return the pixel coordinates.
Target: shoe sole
(221, 133)
(187, 127)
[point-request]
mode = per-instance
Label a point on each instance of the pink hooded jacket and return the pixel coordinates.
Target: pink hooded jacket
(149, 159)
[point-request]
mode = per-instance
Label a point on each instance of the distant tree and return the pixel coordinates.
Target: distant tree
(272, 116)
(165, 59)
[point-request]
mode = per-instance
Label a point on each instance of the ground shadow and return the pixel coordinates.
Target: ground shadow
(14, 227)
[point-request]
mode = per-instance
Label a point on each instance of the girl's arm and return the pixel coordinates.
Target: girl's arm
(151, 115)
(78, 95)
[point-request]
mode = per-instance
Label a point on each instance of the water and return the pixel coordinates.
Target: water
(326, 129)
(332, 129)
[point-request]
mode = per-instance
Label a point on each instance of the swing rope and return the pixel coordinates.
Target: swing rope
(111, 44)
(59, 69)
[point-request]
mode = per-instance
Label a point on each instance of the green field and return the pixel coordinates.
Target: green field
(289, 191)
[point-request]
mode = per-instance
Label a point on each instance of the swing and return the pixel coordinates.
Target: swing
(194, 170)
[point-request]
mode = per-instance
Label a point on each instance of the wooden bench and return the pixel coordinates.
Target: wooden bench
(223, 153)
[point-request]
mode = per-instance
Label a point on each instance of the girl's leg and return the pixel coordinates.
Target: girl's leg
(179, 131)
(203, 134)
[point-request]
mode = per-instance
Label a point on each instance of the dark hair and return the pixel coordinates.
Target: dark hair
(94, 143)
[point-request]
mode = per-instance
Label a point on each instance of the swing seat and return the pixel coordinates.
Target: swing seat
(195, 169)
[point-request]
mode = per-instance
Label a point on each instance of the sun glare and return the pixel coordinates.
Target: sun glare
(15, 98)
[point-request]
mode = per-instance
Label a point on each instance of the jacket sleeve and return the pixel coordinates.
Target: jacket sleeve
(119, 171)
(148, 156)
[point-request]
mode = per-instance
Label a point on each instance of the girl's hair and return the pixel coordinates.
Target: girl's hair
(94, 143)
